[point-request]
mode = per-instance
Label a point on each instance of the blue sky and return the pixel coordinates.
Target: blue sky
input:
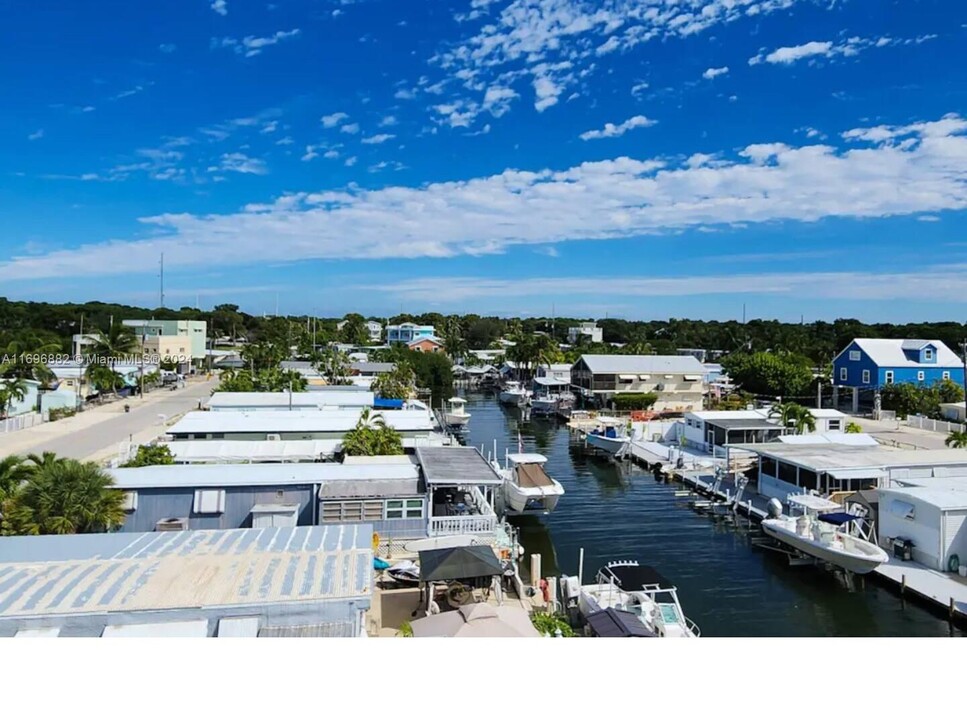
(638, 159)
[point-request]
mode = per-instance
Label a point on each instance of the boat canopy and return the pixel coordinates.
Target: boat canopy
(457, 401)
(522, 458)
(551, 382)
(635, 577)
(839, 518)
(814, 502)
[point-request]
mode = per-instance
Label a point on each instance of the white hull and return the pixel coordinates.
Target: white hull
(532, 501)
(511, 397)
(544, 405)
(844, 551)
(593, 598)
(457, 419)
(610, 445)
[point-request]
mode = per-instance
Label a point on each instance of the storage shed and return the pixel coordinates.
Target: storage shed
(932, 518)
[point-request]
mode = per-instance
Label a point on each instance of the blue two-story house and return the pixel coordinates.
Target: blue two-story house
(872, 363)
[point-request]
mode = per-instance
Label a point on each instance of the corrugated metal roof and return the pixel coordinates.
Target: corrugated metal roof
(376, 367)
(252, 450)
(267, 421)
(943, 498)
(308, 400)
(456, 466)
(612, 364)
(830, 456)
(126, 572)
(189, 628)
(372, 488)
(245, 475)
(344, 629)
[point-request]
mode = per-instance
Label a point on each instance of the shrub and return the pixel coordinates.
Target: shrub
(634, 401)
(151, 455)
(548, 624)
(58, 413)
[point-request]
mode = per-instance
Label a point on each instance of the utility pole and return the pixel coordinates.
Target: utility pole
(162, 279)
(80, 369)
(143, 339)
(965, 382)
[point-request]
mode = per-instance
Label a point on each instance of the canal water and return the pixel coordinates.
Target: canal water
(725, 585)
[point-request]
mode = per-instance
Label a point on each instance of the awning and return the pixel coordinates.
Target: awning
(644, 377)
(693, 378)
(627, 377)
(459, 563)
(857, 473)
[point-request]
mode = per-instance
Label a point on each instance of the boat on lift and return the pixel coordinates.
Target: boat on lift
(609, 435)
(514, 394)
(823, 530)
(630, 587)
(528, 489)
(456, 414)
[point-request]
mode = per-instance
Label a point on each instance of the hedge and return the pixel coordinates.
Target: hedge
(634, 401)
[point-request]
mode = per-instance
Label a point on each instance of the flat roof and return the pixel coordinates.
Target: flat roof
(271, 421)
(252, 450)
(312, 400)
(743, 423)
(258, 474)
(613, 364)
(831, 456)
(943, 498)
(456, 466)
(81, 575)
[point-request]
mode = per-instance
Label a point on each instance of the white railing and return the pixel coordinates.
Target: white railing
(463, 525)
(925, 423)
(21, 422)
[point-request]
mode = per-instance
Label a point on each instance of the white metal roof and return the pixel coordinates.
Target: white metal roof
(943, 498)
(840, 438)
(826, 413)
(190, 628)
(128, 573)
(831, 456)
(309, 400)
(252, 450)
(889, 353)
(270, 421)
(245, 475)
(674, 364)
(728, 414)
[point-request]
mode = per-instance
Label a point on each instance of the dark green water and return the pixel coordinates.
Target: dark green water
(727, 587)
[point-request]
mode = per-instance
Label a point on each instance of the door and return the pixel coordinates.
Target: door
(955, 537)
(273, 519)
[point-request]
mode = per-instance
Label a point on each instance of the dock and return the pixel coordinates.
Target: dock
(945, 593)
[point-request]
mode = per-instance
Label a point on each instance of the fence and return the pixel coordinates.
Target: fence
(925, 423)
(21, 422)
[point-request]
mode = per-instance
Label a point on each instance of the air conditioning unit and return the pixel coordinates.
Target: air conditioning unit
(171, 524)
(273, 436)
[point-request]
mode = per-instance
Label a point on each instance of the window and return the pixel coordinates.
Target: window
(768, 466)
(888, 377)
(946, 374)
(352, 511)
(835, 424)
(920, 375)
(927, 354)
(903, 509)
(866, 377)
(404, 509)
(130, 503)
(842, 374)
(209, 502)
(854, 355)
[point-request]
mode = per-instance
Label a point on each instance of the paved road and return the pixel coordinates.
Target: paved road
(892, 432)
(102, 436)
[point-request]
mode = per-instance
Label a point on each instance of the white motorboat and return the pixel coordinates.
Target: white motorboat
(514, 394)
(528, 489)
(823, 530)
(610, 435)
(544, 404)
(456, 414)
(634, 588)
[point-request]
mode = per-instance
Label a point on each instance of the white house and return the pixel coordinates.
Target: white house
(373, 329)
(589, 330)
(408, 332)
(932, 518)
(678, 380)
(713, 429)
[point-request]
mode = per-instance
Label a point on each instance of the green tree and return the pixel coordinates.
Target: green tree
(12, 390)
(333, 365)
(104, 378)
(453, 341)
(399, 384)
(44, 460)
(14, 472)
(770, 374)
(372, 436)
(853, 428)
(119, 341)
(263, 355)
(151, 455)
(64, 498)
(25, 359)
(956, 439)
(949, 392)
(354, 331)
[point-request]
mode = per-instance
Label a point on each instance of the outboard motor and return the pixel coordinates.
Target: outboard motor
(774, 508)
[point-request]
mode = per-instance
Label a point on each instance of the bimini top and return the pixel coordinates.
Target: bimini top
(632, 578)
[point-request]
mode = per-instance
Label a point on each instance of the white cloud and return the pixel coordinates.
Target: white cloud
(639, 88)
(612, 130)
(497, 100)
(915, 169)
(350, 129)
(285, 141)
(713, 73)
(405, 94)
(269, 127)
(129, 93)
(928, 218)
(251, 46)
(350, 161)
(386, 164)
(88, 108)
(547, 93)
(388, 121)
(310, 153)
(36, 135)
(331, 121)
(827, 49)
(377, 139)
(220, 6)
(240, 163)
(331, 154)
(167, 47)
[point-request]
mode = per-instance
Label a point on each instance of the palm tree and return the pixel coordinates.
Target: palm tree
(119, 341)
(45, 460)
(26, 359)
(11, 390)
(65, 497)
(104, 378)
(14, 472)
(333, 365)
(956, 439)
(784, 412)
(803, 420)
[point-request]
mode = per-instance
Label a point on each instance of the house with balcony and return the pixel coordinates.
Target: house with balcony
(373, 329)
(408, 332)
(588, 331)
(677, 380)
(430, 344)
(867, 364)
(184, 341)
(715, 430)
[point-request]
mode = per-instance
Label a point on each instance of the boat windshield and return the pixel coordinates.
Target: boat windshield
(670, 614)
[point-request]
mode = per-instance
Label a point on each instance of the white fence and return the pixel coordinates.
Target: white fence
(925, 423)
(21, 422)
